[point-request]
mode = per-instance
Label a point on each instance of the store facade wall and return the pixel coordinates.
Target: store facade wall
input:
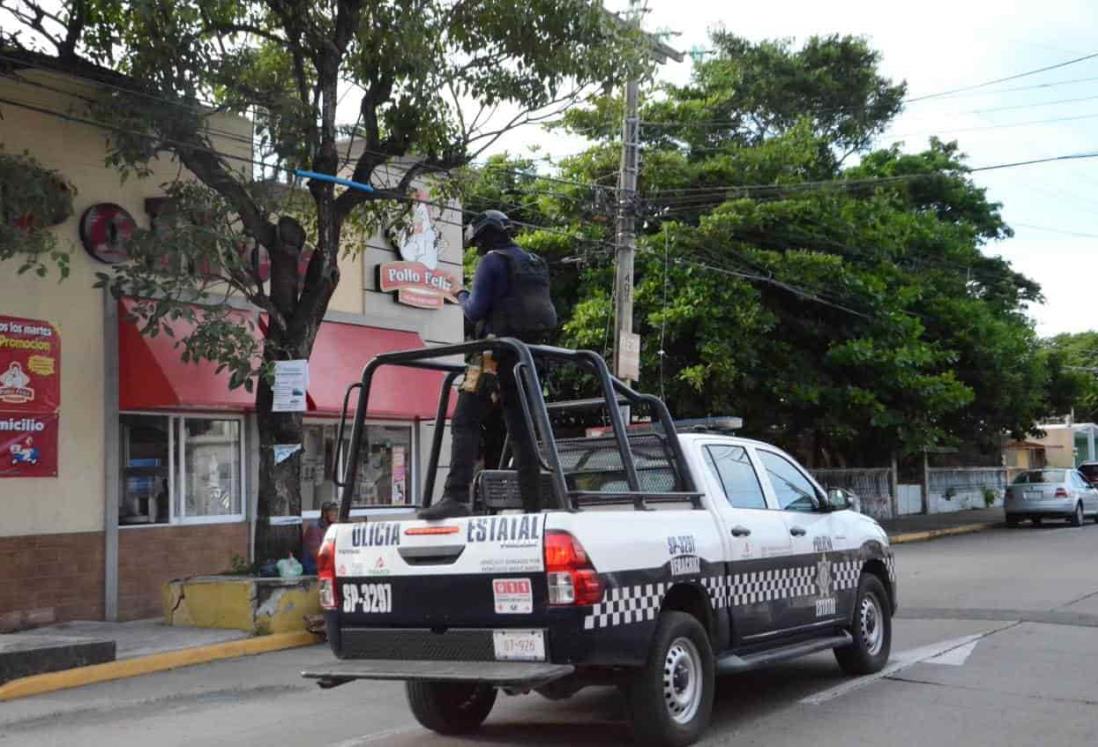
(54, 531)
(146, 494)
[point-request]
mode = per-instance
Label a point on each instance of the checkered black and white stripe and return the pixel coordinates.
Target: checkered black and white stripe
(773, 584)
(845, 574)
(761, 586)
(641, 603)
(719, 589)
(626, 604)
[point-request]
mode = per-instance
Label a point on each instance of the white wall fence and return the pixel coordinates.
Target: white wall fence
(949, 488)
(873, 486)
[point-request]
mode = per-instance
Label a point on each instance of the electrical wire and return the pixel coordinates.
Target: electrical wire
(1005, 79)
(1057, 230)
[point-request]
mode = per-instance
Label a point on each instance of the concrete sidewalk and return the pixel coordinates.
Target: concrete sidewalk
(139, 637)
(923, 527)
(140, 647)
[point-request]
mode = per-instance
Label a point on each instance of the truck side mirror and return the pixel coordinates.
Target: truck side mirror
(839, 500)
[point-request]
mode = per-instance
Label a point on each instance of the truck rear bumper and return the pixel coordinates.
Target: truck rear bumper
(500, 673)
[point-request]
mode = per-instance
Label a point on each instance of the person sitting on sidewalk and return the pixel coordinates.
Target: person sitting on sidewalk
(314, 535)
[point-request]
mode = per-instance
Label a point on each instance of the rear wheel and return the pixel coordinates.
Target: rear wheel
(450, 707)
(1011, 521)
(1036, 521)
(1077, 517)
(671, 697)
(872, 630)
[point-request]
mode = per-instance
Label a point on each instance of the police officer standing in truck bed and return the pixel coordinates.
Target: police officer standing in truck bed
(510, 298)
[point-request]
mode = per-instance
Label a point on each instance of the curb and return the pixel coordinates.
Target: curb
(49, 682)
(930, 534)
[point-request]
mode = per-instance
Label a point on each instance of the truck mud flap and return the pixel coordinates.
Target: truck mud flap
(500, 673)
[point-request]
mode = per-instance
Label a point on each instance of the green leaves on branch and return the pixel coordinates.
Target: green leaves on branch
(32, 200)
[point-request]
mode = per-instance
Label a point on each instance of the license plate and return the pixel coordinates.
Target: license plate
(519, 645)
(1033, 494)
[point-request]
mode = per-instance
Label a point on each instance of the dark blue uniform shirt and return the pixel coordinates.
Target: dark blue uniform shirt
(489, 283)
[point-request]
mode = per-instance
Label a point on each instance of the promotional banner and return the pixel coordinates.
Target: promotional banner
(28, 444)
(30, 365)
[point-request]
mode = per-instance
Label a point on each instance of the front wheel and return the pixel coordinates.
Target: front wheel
(671, 697)
(450, 707)
(872, 630)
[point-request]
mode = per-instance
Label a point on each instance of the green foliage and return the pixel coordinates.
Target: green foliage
(847, 312)
(1073, 360)
(32, 199)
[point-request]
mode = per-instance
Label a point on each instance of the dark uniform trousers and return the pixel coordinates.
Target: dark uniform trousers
(466, 429)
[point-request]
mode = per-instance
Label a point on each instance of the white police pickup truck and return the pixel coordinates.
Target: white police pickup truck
(660, 560)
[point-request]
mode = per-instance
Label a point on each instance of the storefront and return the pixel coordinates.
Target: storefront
(153, 472)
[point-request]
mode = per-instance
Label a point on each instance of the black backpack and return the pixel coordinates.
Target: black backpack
(526, 310)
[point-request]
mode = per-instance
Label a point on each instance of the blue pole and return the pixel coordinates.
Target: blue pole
(333, 179)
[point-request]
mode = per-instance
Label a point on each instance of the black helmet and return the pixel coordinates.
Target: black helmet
(496, 219)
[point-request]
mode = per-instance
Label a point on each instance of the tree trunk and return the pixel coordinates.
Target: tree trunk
(279, 484)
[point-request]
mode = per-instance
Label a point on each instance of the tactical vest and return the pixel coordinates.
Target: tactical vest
(526, 310)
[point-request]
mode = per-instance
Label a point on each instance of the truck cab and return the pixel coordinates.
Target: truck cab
(659, 560)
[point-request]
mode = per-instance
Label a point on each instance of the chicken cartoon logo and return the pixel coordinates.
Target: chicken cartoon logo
(24, 453)
(420, 241)
(15, 385)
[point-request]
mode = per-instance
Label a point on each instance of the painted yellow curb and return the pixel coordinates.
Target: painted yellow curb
(930, 534)
(116, 670)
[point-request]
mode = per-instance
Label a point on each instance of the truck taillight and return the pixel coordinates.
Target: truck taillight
(325, 574)
(571, 577)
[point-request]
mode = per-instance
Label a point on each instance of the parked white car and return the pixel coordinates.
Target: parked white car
(1051, 493)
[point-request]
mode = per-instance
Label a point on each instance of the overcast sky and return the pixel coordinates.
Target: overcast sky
(937, 45)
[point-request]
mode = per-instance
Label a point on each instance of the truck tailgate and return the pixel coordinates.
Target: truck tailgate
(468, 572)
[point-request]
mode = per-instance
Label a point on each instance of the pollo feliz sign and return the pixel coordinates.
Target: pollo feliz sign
(418, 285)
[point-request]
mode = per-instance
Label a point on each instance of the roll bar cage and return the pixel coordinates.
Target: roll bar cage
(614, 394)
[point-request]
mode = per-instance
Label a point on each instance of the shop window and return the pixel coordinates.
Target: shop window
(180, 469)
(318, 471)
(146, 470)
(384, 468)
(211, 467)
(384, 475)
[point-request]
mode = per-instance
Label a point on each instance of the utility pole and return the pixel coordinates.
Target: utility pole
(626, 237)
(626, 344)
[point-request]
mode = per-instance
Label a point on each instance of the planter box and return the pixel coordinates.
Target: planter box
(257, 605)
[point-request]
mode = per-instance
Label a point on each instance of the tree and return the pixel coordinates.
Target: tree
(425, 73)
(845, 310)
(1073, 358)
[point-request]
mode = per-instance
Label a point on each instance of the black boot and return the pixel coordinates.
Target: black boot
(447, 508)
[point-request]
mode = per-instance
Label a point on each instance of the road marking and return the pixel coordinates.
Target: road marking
(899, 662)
(375, 737)
(955, 657)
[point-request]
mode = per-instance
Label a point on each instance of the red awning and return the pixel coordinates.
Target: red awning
(152, 377)
(339, 355)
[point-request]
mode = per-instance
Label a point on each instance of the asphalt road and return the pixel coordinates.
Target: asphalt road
(996, 644)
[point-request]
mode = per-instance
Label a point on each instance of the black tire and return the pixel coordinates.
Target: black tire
(1077, 517)
(1036, 520)
(871, 630)
(670, 699)
(450, 707)
(1011, 521)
